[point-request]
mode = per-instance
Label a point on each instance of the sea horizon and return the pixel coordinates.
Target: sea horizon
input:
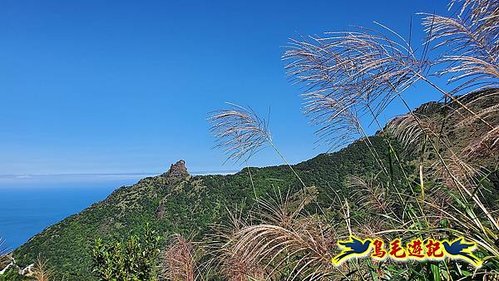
(31, 203)
(27, 209)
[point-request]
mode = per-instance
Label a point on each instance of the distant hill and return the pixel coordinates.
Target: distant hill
(176, 202)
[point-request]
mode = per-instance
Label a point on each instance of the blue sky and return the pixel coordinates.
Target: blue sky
(124, 87)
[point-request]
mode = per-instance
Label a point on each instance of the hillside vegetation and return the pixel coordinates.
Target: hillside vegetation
(429, 175)
(187, 205)
(178, 203)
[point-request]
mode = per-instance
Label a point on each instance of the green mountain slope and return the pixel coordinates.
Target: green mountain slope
(180, 203)
(176, 202)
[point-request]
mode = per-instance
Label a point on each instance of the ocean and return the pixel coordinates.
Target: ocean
(27, 210)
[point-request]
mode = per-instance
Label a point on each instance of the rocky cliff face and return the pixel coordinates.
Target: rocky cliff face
(177, 171)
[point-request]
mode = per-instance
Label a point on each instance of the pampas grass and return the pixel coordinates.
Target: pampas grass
(41, 270)
(239, 131)
(4, 258)
(285, 243)
(468, 43)
(353, 76)
(179, 260)
(348, 74)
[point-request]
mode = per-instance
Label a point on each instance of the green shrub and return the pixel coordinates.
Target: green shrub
(131, 260)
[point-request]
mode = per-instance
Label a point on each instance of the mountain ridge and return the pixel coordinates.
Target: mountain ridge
(177, 202)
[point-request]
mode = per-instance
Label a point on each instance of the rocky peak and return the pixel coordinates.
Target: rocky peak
(177, 170)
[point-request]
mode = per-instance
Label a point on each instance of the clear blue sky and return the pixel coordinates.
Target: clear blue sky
(125, 86)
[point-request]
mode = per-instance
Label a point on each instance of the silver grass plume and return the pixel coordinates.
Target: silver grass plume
(468, 42)
(239, 131)
(348, 74)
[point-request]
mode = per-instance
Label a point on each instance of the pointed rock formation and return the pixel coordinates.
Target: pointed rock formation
(177, 171)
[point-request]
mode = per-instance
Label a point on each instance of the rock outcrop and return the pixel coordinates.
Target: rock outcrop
(177, 171)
